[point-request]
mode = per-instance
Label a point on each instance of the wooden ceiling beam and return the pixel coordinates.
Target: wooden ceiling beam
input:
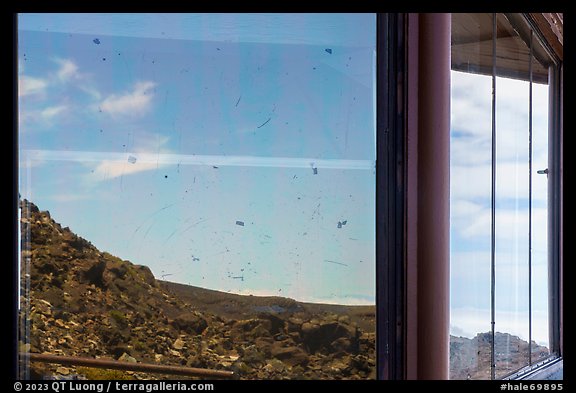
(551, 25)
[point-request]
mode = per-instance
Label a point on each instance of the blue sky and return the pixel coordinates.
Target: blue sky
(220, 150)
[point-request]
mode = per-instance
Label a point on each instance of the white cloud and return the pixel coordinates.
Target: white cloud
(52, 111)
(68, 70)
(43, 117)
(464, 208)
(458, 332)
(28, 86)
(471, 119)
(471, 103)
(146, 144)
(91, 91)
(65, 198)
(135, 102)
(108, 170)
(511, 226)
(469, 182)
(468, 322)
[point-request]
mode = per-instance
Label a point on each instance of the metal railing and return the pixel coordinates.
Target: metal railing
(126, 366)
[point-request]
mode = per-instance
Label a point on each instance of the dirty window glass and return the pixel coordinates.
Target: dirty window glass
(199, 191)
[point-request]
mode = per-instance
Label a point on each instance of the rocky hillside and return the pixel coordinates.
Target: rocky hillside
(470, 358)
(79, 301)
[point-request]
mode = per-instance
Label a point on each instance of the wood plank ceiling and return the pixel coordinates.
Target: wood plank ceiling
(472, 44)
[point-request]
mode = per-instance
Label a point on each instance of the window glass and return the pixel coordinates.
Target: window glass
(199, 190)
(540, 316)
(520, 258)
(470, 182)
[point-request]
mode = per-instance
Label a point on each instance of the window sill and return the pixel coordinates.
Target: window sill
(548, 369)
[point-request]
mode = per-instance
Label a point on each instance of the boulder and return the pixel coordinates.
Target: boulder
(294, 324)
(248, 325)
(274, 365)
(341, 344)
(191, 323)
(95, 274)
(362, 363)
(318, 336)
(127, 358)
(178, 344)
(275, 325)
(252, 356)
(292, 356)
(63, 370)
(146, 274)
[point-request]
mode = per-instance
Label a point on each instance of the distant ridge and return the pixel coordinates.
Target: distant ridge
(470, 357)
(245, 306)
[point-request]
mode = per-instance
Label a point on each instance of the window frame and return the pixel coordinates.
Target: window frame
(554, 210)
(390, 197)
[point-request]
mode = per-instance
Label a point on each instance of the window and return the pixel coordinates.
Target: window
(499, 196)
(199, 190)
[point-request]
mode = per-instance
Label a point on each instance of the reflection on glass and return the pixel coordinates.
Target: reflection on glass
(221, 171)
(540, 332)
(471, 166)
(470, 182)
(512, 126)
(470, 226)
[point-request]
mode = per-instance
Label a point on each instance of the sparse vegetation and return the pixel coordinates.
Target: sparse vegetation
(119, 317)
(140, 346)
(103, 374)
